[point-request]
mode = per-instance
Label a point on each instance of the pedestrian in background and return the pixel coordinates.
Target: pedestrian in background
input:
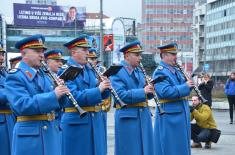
(206, 87)
(230, 92)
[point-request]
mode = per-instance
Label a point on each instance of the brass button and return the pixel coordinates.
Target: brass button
(44, 127)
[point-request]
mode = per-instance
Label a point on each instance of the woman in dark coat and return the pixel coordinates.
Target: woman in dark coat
(206, 88)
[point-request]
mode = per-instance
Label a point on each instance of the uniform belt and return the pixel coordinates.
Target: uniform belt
(171, 100)
(5, 111)
(140, 104)
(45, 117)
(88, 109)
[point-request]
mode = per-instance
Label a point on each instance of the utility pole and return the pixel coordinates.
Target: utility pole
(101, 33)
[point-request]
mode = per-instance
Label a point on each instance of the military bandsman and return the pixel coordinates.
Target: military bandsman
(14, 61)
(33, 100)
(54, 59)
(133, 125)
(84, 135)
(172, 129)
(7, 119)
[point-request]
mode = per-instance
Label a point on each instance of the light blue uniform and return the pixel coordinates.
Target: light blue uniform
(133, 125)
(172, 129)
(7, 121)
(28, 95)
(85, 136)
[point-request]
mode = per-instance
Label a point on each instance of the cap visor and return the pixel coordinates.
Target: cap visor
(86, 46)
(37, 47)
(136, 51)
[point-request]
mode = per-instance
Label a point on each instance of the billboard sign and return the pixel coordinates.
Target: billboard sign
(49, 16)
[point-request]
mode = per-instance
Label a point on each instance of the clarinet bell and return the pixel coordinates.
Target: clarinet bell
(123, 105)
(82, 113)
(161, 112)
(203, 100)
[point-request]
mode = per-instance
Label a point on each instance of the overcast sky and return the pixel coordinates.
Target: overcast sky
(112, 8)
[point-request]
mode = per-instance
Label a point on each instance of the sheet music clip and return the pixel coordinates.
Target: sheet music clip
(70, 73)
(112, 70)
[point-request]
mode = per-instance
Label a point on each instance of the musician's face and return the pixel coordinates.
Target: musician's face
(133, 59)
(1, 58)
(195, 101)
(79, 54)
(54, 65)
(33, 57)
(170, 58)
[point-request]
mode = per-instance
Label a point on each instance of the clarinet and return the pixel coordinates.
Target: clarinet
(148, 82)
(195, 88)
(57, 83)
(112, 90)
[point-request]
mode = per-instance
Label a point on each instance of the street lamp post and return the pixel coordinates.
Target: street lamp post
(101, 33)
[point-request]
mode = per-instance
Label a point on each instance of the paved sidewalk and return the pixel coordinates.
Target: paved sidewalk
(225, 145)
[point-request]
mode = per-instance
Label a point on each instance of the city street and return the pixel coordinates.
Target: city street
(225, 145)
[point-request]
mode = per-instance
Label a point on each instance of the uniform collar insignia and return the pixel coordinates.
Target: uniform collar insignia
(27, 70)
(29, 74)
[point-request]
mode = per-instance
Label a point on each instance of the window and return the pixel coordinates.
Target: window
(225, 13)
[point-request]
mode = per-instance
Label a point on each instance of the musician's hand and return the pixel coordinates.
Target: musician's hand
(61, 90)
(104, 85)
(148, 89)
(190, 83)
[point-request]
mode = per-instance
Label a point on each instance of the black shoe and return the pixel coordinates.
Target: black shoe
(208, 145)
(231, 122)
